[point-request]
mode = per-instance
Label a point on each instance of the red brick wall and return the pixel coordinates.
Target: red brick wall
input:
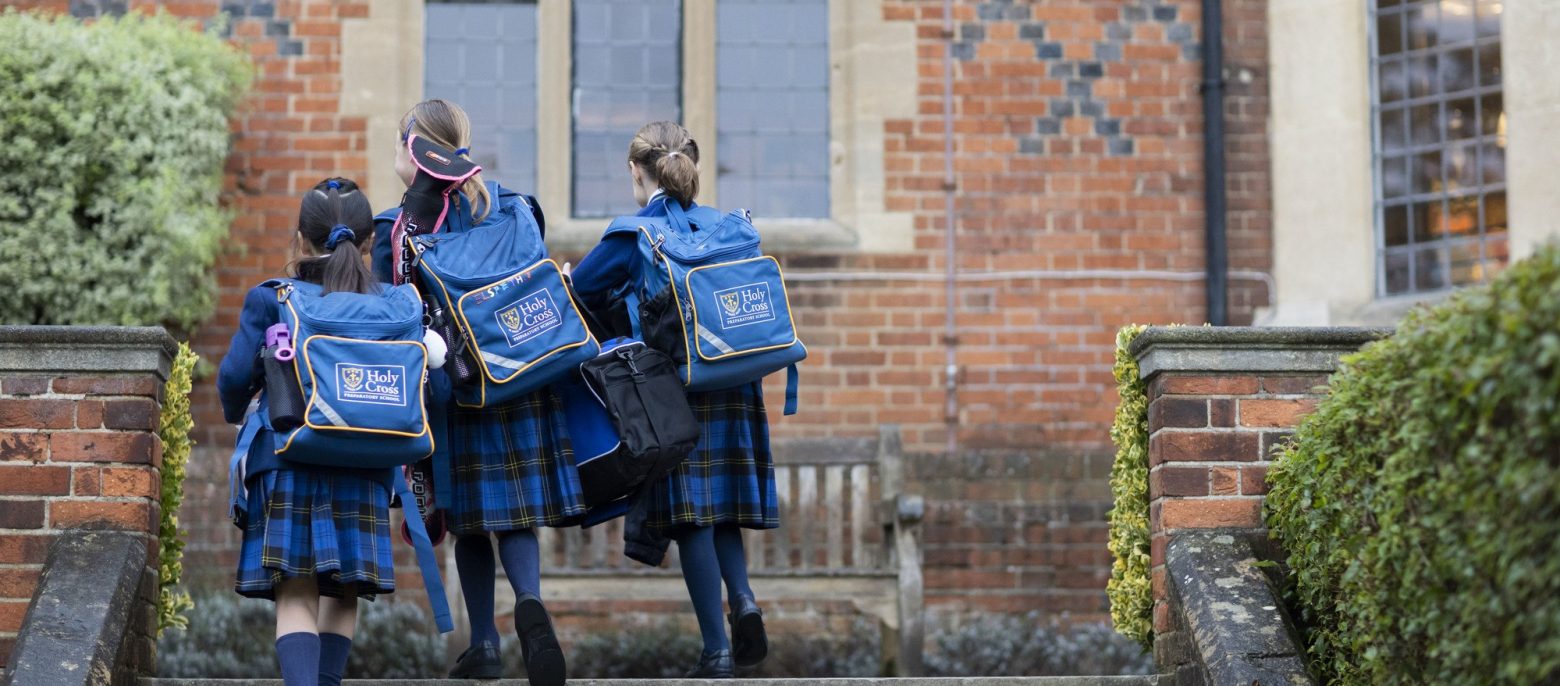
(1078, 145)
(75, 451)
(1211, 438)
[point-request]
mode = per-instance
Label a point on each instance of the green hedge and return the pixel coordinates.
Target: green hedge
(1131, 596)
(115, 136)
(1420, 504)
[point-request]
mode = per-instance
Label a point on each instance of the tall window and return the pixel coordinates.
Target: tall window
(482, 56)
(1440, 146)
(627, 71)
(772, 106)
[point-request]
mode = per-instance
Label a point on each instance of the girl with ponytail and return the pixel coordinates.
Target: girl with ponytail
(510, 467)
(315, 538)
(728, 482)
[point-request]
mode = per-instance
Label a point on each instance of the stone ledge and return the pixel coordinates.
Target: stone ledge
(86, 349)
(1290, 350)
(82, 612)
(1236, 626)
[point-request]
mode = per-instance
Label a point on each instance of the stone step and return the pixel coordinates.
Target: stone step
(927, 681)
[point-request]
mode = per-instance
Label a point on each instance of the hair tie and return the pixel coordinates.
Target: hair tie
(461, 151)
(333, 185)
(673, 153)
(337, 233)
(411, 122)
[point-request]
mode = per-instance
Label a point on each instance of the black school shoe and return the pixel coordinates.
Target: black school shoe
(749, 644)
(716, 665)
(480, 661)
(539, 648)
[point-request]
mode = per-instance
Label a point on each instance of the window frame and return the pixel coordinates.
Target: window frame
(1409, 151)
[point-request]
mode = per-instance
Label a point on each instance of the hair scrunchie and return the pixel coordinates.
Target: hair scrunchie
(462, 151)
(333, 185)
(337, 233)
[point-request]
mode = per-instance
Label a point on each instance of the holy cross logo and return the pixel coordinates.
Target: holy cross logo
(377, 384)
(530, 316)
(744, 305)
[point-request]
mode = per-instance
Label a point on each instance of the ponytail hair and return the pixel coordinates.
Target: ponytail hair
(335, 218)
(446, 124)
(667, 152)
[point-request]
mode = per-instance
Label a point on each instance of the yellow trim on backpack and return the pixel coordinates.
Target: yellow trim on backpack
(688, 284)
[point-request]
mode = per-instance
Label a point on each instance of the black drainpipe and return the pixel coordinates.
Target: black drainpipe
(1213, 161)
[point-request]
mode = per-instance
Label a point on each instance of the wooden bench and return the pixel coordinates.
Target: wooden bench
(848, 533)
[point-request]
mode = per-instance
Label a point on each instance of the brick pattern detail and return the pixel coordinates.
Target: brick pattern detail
(1210, 445)
(75, 451)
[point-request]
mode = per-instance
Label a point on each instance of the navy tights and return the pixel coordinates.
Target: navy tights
(710, 555)
(474, 563)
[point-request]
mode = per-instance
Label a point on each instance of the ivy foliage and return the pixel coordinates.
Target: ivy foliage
(1419, 506)
(115, 134)
(174, 430)
(1131, 596)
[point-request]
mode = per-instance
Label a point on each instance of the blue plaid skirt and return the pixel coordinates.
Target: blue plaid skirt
(333, 526)
(513, 467)
(730, 475)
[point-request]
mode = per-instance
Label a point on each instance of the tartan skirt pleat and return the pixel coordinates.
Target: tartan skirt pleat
(730, 475)
(333, 526)
(513, 467)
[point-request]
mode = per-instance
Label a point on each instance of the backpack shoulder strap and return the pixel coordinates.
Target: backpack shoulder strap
(629, 224)
(427, 561)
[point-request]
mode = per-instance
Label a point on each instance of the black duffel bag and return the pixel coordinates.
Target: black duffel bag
(648, 407)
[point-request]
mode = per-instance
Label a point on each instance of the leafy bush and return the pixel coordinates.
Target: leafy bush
(174, 430)
(115, 138)
(1420, 504)
(1025, 645)
(234, 638)
(1131, 596)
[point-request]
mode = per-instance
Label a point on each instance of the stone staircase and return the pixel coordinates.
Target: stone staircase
(929, 681)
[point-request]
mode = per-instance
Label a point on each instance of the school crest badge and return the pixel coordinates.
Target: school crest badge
(731, 302)
(352, 377)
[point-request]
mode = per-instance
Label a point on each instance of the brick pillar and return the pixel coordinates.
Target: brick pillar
(79, 409)
(1220, 401)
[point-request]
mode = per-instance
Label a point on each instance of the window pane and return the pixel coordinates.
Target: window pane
(772, 106)
(482, 56)
(1441, 139)
(1456, 21)
(627, 73)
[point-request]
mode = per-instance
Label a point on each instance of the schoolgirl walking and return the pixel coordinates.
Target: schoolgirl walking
(316, 539)
(727, 483)
(510, 464)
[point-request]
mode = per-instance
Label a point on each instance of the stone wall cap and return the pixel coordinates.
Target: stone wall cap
(1233, 349)
(87, 349)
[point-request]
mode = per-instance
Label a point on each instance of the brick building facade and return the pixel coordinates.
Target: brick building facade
(1078, 186)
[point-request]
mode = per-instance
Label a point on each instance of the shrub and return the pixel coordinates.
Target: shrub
(232, 637)
(174, 430)
(665, 650)
(1025, 645)
(1420, 504)
(115, 138)
(1131, 597)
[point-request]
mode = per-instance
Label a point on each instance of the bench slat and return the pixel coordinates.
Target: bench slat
(779, 537)
(860, 510)
(807, 516)
(834, 500)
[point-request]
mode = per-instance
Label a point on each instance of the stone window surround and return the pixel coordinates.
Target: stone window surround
(1323, 219)
(872, 65)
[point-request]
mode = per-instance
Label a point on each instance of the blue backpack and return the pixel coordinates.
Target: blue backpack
(345, 378)
(511, 321)
(713, 301)
(359, 370)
